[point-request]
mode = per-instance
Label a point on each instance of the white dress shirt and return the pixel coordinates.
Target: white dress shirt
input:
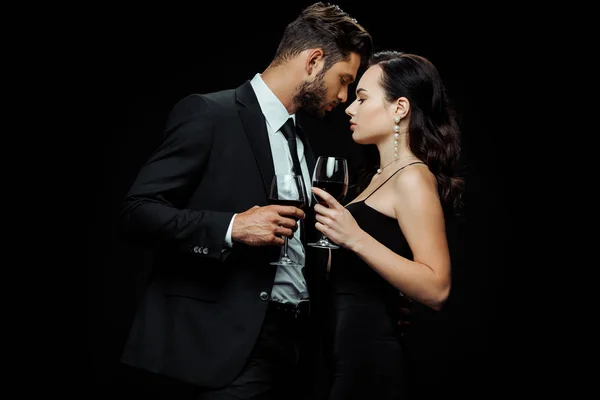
(289, 285)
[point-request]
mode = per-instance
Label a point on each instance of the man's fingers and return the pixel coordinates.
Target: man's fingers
(277, 240)
(282, 231)
(290, 211)
(288, 223)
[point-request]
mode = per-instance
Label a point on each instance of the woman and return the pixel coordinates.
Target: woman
(392, 235)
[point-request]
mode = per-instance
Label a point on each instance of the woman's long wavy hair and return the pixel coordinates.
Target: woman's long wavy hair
(433, 131)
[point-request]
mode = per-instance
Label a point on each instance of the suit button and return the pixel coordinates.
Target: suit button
(264, 296)
(205, 250)
(195, 249)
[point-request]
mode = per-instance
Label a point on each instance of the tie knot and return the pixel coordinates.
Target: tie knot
(288, 129)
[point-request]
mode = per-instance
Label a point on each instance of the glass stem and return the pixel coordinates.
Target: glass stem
(285, 247)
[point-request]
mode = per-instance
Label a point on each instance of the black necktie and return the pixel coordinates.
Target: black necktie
(289, 131)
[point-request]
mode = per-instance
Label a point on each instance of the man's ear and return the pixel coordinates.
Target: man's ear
(314, 61)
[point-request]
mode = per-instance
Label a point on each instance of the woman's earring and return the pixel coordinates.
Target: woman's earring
(396, 134)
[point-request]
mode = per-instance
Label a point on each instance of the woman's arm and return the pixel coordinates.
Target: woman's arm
(419, 213)
(420, 217)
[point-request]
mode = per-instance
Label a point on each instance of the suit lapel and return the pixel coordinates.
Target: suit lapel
(256, 131)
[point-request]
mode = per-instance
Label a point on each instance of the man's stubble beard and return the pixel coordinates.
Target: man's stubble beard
(312, 96)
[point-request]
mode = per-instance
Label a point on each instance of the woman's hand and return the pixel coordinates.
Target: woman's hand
(336, 222)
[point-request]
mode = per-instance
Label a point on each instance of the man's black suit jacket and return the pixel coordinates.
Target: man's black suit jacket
(203, 310)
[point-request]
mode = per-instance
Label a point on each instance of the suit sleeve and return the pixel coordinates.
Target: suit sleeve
(153, 210)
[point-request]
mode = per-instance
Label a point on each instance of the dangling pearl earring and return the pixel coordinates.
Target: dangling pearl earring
(396, 134)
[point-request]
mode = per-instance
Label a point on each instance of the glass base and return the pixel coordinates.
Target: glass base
(284, 261)
(324, 244)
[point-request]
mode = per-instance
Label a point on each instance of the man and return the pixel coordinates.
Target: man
(217, 317)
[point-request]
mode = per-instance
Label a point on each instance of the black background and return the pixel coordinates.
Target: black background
(146, 60)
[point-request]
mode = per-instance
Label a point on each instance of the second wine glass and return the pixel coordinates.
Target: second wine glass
(331, 175)
(287, 190)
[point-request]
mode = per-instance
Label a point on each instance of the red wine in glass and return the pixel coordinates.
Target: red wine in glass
(331, 175)
(337, 189)
(301, 204)
(287, 190)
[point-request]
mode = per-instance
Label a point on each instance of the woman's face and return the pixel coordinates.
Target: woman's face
(371, 116)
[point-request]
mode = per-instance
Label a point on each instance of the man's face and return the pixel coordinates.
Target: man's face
(328, 88)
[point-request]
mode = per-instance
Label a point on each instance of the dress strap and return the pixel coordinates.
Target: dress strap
(390, 177)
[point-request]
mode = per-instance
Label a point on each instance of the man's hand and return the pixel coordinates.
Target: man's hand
(264, 226)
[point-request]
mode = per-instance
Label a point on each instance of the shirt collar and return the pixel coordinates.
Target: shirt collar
(273, 109)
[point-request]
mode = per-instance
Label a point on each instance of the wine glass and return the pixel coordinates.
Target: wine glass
(287, 190)
(331, 175)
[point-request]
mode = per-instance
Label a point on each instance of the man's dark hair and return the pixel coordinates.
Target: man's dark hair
(327, 27)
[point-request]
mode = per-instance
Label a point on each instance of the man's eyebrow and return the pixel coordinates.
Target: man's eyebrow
(349, 78)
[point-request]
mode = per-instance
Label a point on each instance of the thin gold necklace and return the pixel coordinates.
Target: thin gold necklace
(391, 162)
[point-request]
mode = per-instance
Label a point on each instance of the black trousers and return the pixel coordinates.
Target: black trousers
(281, 366)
